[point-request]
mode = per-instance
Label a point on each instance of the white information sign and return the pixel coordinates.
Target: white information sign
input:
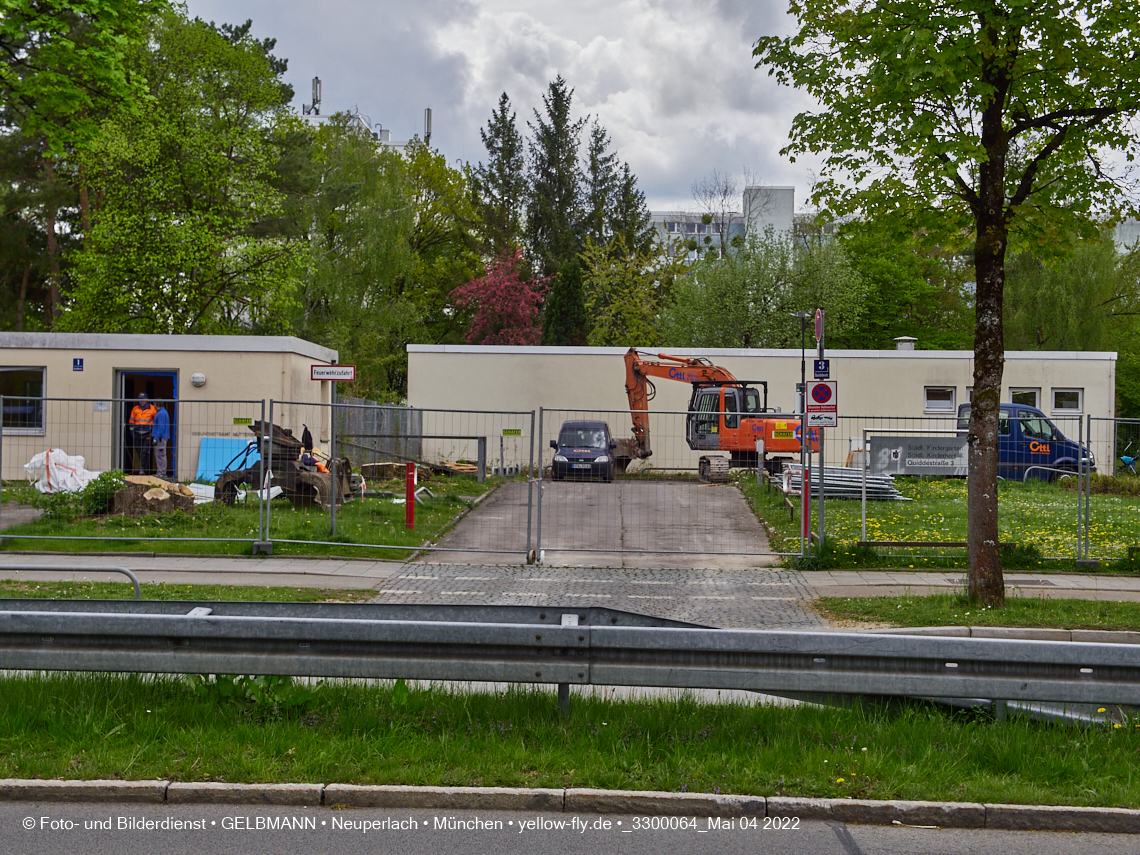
(822, 404)
(337, 373)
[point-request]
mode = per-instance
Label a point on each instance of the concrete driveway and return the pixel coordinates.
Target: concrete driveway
(650, 523)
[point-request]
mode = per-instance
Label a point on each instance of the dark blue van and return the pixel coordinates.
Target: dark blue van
(1027, 439)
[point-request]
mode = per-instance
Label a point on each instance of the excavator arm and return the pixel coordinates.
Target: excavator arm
(639, 388)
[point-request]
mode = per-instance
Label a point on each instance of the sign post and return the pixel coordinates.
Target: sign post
(829, 398)
(410, 496)
(335, 374)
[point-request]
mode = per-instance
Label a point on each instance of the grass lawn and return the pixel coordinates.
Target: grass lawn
(1041, 518)
(956, 610)
(163, 591)
(109, 726)
(231, 529)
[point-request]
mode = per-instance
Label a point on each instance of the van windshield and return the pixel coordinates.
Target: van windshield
(582, 438)
(1003, 420)
(1036, 427)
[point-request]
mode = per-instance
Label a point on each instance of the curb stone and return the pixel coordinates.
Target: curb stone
(443, 798)
(663, 804)
(625, 802)
(214, 793)
(35, 790)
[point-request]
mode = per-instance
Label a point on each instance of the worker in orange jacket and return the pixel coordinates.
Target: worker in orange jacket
(141, 423)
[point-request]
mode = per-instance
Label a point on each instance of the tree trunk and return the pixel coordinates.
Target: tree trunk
(54, 307)
(23, 299)
(986, 583)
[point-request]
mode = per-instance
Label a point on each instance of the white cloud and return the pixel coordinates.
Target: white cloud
(672, 82)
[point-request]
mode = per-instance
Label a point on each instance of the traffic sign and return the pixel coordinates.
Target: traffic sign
(336, 373)
(822, 369)
(818, 324)
(822, 404)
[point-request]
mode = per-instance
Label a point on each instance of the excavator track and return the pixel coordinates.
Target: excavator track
(713, 470)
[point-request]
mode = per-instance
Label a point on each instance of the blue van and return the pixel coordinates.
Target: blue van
(1027, 439)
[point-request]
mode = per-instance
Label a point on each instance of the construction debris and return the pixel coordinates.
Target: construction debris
(841, 482)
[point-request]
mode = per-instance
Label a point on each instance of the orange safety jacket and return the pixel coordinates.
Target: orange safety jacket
(143, 415)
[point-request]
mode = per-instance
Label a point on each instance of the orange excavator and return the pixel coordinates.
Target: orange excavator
(725, 414)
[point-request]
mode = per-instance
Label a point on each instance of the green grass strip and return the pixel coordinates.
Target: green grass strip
(109, 726)
(956, 610)
(166, 591)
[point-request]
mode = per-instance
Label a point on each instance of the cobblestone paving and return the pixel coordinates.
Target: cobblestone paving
(729, 599)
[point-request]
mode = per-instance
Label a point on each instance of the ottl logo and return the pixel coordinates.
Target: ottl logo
(1038, 447)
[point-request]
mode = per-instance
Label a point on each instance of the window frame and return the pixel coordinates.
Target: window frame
(1066, 411)
(937, 409)
(41, 430)
(1036, 390)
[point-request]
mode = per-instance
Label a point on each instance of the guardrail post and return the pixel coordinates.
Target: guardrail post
(564, 698)
(1001, 709)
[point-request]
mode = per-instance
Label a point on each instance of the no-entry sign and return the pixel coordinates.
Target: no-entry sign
(822, 404)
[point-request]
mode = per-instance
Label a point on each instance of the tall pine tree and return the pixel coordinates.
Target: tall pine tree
(600, 185)
(500, 186)
(554, 207)
(564, 318)
(630, 218)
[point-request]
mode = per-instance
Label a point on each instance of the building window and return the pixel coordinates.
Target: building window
(1026, 397)
(1068, 401)
(939, 399)
(23, 391)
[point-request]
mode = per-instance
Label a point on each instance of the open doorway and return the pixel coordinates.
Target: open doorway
(135, 454)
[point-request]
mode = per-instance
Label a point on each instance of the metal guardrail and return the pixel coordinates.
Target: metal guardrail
(357, 646)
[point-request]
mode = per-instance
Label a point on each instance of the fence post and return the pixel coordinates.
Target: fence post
(1, 456)
(267, 473)
(530, 557)
(865, 455)
(1088, 490)
(538, 526)
(822, 471)
(332, 457)
(1080, 487)
(482, 473)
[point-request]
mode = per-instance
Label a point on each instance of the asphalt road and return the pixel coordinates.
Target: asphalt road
(591, 524)
(243, 830)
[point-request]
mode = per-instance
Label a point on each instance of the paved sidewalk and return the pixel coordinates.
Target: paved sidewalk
(883, 583)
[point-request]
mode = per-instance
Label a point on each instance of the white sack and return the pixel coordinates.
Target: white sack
(56, 471)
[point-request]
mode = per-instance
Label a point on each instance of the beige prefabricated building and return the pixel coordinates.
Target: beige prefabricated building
(879, 389)
(87, 383)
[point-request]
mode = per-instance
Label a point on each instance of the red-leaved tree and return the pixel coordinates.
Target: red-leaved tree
(506, 305)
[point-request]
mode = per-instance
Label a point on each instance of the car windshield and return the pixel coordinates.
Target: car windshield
(1036, 427)
(582, 438)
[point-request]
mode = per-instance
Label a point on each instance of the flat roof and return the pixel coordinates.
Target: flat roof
(743, 351)
(207, 343)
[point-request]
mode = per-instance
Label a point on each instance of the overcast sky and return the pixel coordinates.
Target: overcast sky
(673, 82)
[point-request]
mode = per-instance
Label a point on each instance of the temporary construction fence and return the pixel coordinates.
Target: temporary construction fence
(486, 484)
(658, 504)
(62, 444)
(460, 459)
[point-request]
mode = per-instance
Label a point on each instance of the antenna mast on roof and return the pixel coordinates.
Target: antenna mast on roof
(313, 109)
(427, 126)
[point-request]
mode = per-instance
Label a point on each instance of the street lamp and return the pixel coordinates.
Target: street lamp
(803, 316)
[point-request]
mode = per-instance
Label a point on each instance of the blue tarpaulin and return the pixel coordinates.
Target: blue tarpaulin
(216, 452)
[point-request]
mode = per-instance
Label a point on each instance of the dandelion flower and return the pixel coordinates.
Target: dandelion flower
(839, 780)
(1101, 709)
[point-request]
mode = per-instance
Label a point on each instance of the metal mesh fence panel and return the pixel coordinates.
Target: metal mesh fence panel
(59, 456)
(1110, 490)
(1038, 473)
(472, 490)
(597, 500)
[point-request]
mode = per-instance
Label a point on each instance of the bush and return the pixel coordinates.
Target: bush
(93, 499)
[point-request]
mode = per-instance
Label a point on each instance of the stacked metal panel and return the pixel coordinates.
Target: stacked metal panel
(842, 482)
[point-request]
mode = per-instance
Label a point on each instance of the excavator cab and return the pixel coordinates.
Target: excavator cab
(716, 411)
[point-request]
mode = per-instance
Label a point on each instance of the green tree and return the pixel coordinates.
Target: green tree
(914, 288)
(500, 187)
(554, 206)
(182, 188)
(630, 219)
(979, 119)
(564, 317)
(600, 186)
(625, 291)
(744, 298)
